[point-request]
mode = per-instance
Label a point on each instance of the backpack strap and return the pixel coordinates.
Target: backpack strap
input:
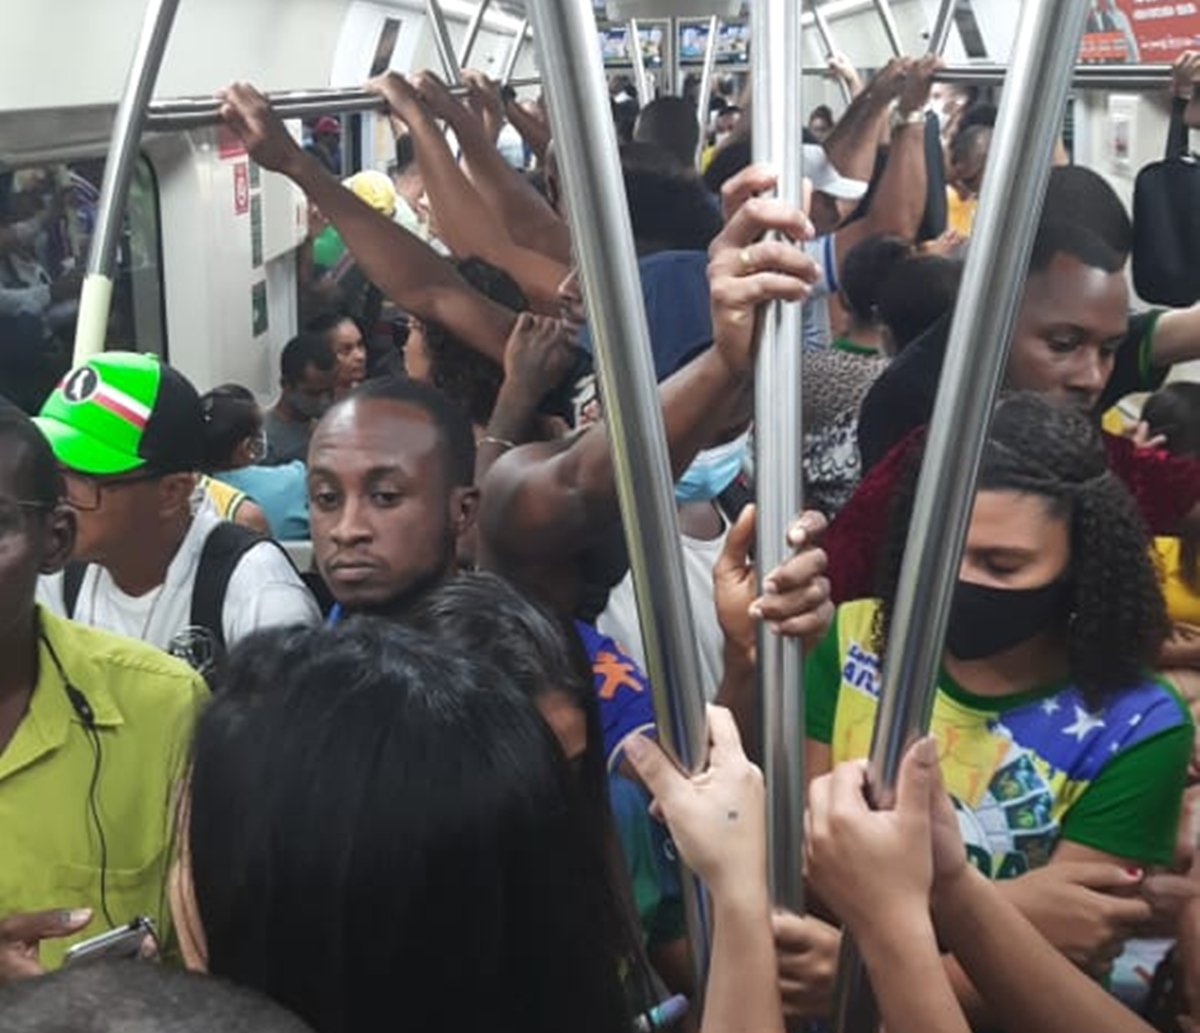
(73, 575)
(223, 550)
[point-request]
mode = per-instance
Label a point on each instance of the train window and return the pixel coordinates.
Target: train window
(47, 216)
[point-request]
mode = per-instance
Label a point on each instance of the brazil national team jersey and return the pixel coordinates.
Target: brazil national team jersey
(622, 690)
(1025, 770)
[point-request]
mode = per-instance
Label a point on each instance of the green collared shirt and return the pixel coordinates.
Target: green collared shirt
(145, 704)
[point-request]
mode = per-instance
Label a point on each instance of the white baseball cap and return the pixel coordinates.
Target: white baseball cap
(826, 179)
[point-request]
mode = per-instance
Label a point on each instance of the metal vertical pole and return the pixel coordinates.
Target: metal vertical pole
(443, 42)
(823, 30)
(706, 77)
(1030, 117)
(640, 75)
(940, 34)
(514, 53)
(586, 144)
(670, 53)
(884, 10)
(777, 64)
(95, 299)
(473, 28)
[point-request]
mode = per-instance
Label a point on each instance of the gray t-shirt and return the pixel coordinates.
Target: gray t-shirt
(286, 441)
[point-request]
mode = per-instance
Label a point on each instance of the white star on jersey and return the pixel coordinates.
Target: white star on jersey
(1085, 723)
(1051, 706)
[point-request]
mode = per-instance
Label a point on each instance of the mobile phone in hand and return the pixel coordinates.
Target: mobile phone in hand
(123, 942)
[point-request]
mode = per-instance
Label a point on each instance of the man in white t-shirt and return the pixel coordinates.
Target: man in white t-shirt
(127, 430)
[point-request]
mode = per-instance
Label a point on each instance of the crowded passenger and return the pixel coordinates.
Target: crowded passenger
(308, 377)
(345, 340)
(117, 997)
(670, 123)
(1074, 341)
(234, 450)
(94, 730)
(439, 807)
(1171, 421)
(452, 794)
(591, 716)
(1066, 759)
(128, 434)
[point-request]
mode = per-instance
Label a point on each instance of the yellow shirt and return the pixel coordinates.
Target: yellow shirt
(226, 499)
(1183, 603)
(145, 704)
(960, 212)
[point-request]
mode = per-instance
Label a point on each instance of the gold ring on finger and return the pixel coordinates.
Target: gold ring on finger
(745, 257)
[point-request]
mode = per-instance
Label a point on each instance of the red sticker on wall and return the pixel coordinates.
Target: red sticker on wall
(241, 189)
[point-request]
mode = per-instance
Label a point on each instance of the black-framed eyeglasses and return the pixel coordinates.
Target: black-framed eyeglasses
(13, 513)
(85, 492)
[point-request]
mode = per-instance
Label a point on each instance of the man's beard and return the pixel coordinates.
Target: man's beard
(398, 605)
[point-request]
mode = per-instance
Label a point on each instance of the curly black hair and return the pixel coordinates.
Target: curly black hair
(1118, 620)
(456, 369)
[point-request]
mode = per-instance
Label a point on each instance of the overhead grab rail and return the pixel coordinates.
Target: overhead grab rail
(95, 299)
(586, 142)
(776, 135)
(826, 34)
(445, 45)
(939, 36)
(706, 76)
(514, 53)
(890, 29)
(640, 75)
(474, 26)
(1027, 126)
(1092, 76)
(176, 115)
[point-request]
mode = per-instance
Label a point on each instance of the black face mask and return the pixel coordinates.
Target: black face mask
(985, 621)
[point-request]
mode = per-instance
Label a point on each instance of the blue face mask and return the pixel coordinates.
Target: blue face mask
(713, 470)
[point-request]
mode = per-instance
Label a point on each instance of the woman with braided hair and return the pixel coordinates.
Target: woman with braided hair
(1064, 756)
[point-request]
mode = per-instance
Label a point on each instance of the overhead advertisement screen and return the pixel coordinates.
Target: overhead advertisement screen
(1140, 31)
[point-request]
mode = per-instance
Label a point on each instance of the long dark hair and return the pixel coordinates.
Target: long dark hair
(382, 836)
(485, 616)
(230, 416)
(1117, 620)
(1173, 412)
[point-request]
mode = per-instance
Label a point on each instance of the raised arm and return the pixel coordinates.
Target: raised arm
(534, 131)
(528, 218)
(406, 269)
(1176, 337)
(542, 506)
(539, 353)
(854, 142)
(467, 224)
(899, 202)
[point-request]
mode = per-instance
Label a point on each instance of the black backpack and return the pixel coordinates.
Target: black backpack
(202, 644)
(1166, 224)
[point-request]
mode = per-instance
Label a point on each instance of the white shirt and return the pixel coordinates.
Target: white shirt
(620, 620)
(264, 591)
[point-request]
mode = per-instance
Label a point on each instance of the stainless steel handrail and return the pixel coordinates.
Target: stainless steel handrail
(445, 45)
(95, 297)
(1092, 76)
(706, 76)
(584, 134)
(776, 65)
(826, 34)
(184, 113)
(1027, 127)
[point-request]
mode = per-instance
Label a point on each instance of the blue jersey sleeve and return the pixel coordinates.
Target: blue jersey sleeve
(622, 691)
